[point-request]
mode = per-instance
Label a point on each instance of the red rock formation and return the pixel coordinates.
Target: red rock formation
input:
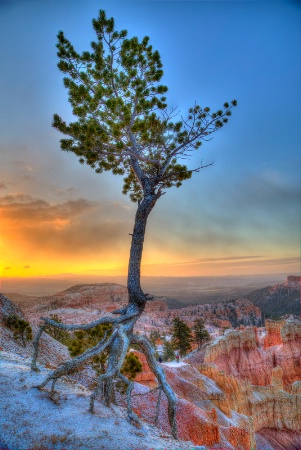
(196, 419)
(236, 392)
(271, 439)
(85, 295)
(236, 353)
(288, 356)
(293, 282)
(146, 377)
(232, 389)
(273, 336)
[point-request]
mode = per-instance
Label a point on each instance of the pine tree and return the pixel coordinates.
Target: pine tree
(131, 366)
(123, 125)
(168, 351)
(201, 335)
(21, 328)
(181, 336)
(85, 339)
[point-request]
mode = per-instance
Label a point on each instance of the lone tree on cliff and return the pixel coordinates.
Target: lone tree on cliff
(123, 125)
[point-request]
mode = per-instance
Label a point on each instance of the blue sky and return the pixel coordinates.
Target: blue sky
(240, 216)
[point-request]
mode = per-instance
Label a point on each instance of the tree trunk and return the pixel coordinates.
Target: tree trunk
(119, 342)
(136, 296)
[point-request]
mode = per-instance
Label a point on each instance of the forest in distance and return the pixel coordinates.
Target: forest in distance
(187, 290)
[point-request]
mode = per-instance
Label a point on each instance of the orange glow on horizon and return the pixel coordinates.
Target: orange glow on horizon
(186, 269)
(42, 239)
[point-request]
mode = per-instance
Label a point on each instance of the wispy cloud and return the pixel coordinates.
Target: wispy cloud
(205, 260)
(231, 261)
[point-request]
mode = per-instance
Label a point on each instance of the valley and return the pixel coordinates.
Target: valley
(241, 390)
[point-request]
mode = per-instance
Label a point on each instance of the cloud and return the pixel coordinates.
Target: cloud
(210, 260)
(3, 186)
(67, 229)
(26, 267)
(7, 268)
(21, 209)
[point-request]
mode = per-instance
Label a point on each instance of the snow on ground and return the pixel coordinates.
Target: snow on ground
(175, 364)
(29, 419)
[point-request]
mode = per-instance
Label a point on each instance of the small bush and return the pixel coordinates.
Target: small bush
(21, 328)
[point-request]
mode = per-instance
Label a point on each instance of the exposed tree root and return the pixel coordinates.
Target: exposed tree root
(119, 343)
(130, 385)
(112, 371)
(36, 343)
(147, 349)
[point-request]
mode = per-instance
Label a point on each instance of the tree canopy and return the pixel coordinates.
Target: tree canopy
(123, 122)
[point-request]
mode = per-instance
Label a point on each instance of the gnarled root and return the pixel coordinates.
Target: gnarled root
(133, 418)
(87, 326)
(112, 370)
(118, 343)
(147, 349)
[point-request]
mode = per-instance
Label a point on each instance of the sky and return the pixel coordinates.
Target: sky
(239, 216)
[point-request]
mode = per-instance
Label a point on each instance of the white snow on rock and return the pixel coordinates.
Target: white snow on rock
(29, 419)
(175, 364)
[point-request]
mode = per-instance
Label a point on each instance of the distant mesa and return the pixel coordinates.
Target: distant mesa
(293, 281)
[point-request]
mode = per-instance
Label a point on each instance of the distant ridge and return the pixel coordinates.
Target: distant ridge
(278, 300)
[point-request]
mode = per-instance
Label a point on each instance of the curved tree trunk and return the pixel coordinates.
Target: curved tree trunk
(123, 335)
(137, 298)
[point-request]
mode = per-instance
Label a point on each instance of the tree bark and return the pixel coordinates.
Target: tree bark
(136, 295)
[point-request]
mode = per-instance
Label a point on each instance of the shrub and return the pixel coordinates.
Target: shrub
(21, 328)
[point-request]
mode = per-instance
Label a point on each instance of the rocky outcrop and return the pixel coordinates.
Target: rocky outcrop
(273, 439)
(8, 309)
(236, 393)
(237, 354)
(198, 418)
(274, 408)
(288, 356)
(278, 300)
(273, 336)
(293, 282)
(145, 377)
(99, 295)
(274, 401)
